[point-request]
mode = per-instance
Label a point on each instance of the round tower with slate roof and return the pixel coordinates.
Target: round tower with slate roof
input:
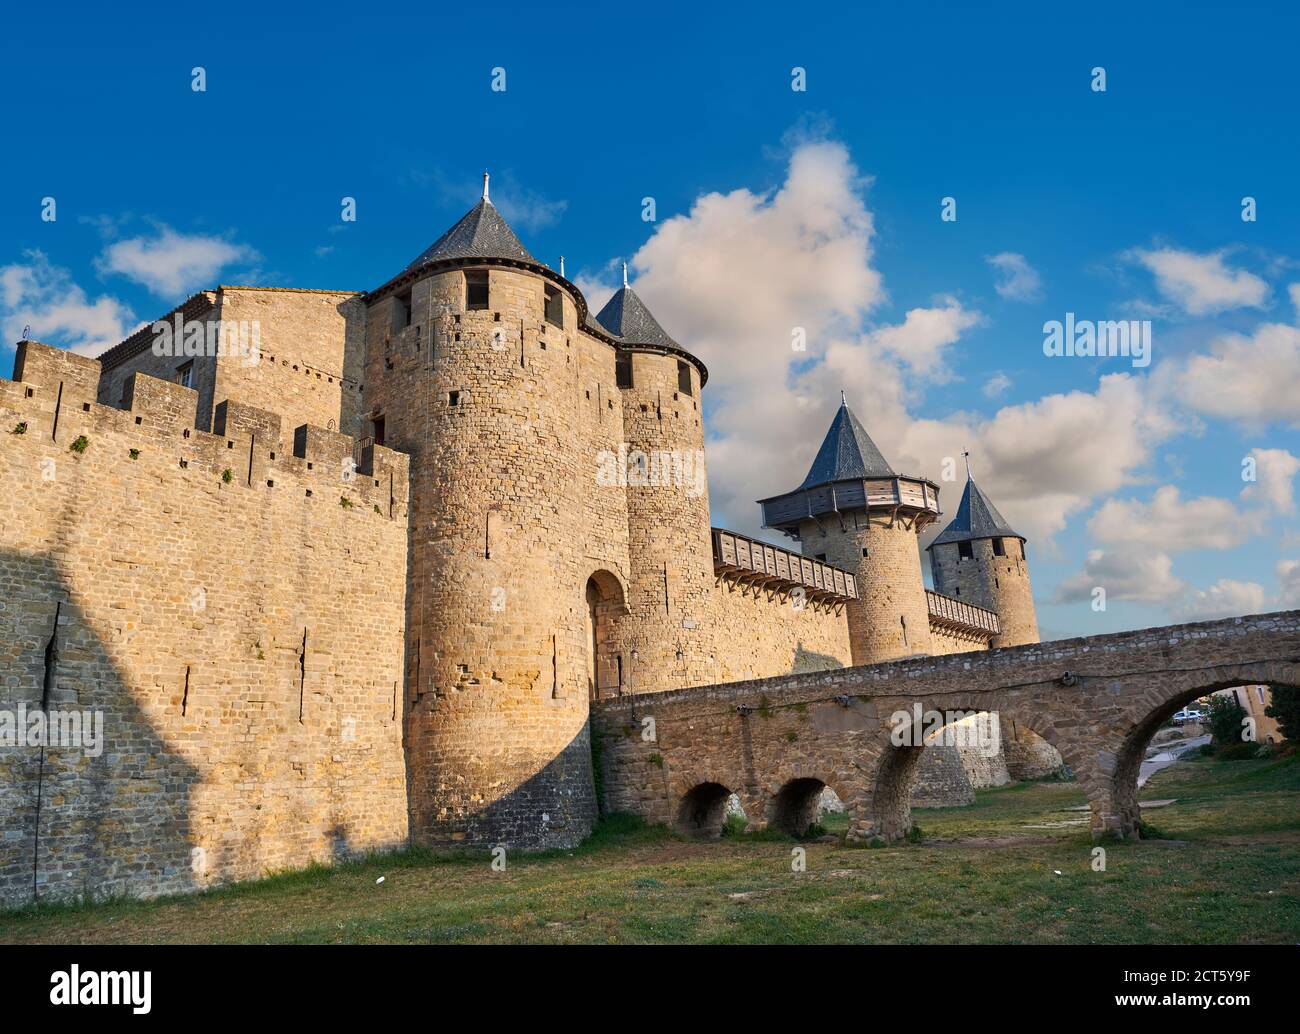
(670, 560)
(854, 511)
(483, 364)
(980, 559)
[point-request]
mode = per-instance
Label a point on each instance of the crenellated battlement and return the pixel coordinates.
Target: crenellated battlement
(54, 400)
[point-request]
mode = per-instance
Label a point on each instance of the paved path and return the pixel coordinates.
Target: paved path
(1164, 759)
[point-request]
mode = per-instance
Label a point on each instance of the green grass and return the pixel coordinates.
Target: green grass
(1229, 874)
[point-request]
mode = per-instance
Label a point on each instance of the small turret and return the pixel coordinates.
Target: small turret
(980, 559)
(853, 511)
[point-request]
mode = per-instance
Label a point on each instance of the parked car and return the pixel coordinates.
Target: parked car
(1188, 715)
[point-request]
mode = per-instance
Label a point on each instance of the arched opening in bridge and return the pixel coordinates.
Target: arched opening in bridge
(604, 604)
(797, 806)
(938, 760)
(1137, 750)
(703, 810)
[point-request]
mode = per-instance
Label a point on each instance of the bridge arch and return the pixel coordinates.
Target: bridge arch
(702, 810)
(1117, 798)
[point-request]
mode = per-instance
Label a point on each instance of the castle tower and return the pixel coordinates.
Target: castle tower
(475, 359)
(670, 559)
(978, 558)
(853, 511)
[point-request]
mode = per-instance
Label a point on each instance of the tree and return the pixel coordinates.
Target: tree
(1285, 707)
(1225, 719)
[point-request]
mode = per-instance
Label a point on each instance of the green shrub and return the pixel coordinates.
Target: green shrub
(20, 428)
(345, 502)
(80, 445)
(227, 475)
(734, 825)
(1225, 720)
(1285, 707)
(134, 453)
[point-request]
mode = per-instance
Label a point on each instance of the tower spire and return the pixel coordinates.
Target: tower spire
(561, 265)
(966, 453)
(624, 274)
(485, 187)
(843, 400)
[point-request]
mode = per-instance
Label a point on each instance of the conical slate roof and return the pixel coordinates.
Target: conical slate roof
(626, 316)
(481, 233)
(847, 453)
(977, 518)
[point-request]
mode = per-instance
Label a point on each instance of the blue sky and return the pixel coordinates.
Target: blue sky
(775, 208)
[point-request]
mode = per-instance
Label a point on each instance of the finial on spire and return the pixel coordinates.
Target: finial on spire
(561, 265)
(843, 400)
(624, 274)
(966, 453)
(485, 187)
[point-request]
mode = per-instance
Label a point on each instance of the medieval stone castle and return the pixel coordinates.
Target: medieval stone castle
(360, 586)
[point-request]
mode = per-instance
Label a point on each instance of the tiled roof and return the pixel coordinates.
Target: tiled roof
(976, 518)
(480, 233)
(626, 316)
(847, 453)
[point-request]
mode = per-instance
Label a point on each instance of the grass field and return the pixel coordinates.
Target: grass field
(1016, 866)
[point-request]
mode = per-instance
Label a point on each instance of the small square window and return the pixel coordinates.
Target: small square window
(998, 548)
(476, 289)
(965, 551)
(185, 375)
(402, 311)
(453, 398)
(554, 308)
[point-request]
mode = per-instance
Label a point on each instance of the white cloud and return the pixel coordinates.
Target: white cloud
(1275, 470)
(996, 385)
(45, 297)
(734, 276)
(1137, 575)
(1201, 284)
(1225, 598)
(1251, 378)
(1288, 583)
(919, 341)
(172, 264)
(1173, 524)
(1018, 280)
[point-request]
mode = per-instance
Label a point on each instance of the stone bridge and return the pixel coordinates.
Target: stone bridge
(676, 757)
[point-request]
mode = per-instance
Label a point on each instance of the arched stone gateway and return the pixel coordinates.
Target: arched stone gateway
(1096, 700)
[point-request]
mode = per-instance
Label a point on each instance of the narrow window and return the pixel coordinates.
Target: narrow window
(378, 434)
(476, 289)
(453, 398)
(998, 548)
(1022, 550)
(402, 311)
(623, 370)
(185, 375)
(554, 308)
(684, 377)
(964, 551)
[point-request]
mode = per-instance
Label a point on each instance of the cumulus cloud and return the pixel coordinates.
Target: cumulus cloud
(1017, 280)
(1252, 378)
(172, 264)
(919, 341)
(1136, 575)
(1275, 471)
(1288, 583)
(996, 385)
(1225, 598)
(1201, 285)
(45, 297)
(732, 279)
(1173, 524)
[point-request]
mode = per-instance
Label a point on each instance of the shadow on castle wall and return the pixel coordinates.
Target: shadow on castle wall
(77, 825)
